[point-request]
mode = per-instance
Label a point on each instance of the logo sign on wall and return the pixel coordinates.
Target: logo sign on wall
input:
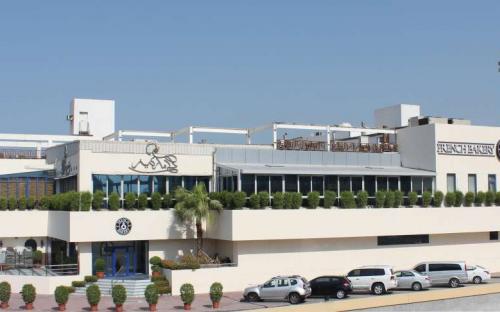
(156, 162)
(123, 226)
(466, 149)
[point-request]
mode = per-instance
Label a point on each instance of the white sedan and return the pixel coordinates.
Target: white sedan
(476, 274)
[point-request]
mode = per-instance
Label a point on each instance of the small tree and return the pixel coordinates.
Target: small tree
(93, 295)
(459, 199)
(329, 200)
(85, 201)
(130, 200)
(469, 199)
(3, 203)
(398, 199)
(263, 199)
(5, 292)
(187, 293)
(216, 293)
(412, 199)
(98, 200)
(489, 198)
(151, 294)
(142, 201)
(28, 293)
(449, 199)
(296, 202)
(61, 295)
(438, 199)
(379, 199)
(254, 201)
(12, 203)
(278, 200)
(313, 200)
(426, 199)
(114, 201)
(22, 203)
(119, 294)
(389, 199)
(156, 201)
(479, 199)
(239, 200)
(347, 199)
(45, 203)
(362, 199)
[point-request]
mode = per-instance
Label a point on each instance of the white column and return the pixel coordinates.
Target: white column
(190, 135)
(328, 138)
(275, 136)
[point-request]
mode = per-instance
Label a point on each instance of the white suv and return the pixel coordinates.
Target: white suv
(378, 279)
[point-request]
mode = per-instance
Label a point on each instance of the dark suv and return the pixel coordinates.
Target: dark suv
(331, 286)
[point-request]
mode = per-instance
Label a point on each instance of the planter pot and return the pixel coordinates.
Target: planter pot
(119, 308)
(187, 306)
(152, 307)
(28, 306)
(215, 304)
(99, 275)
(156, 274)
(4, 305)
(93, 307)
(62, 307)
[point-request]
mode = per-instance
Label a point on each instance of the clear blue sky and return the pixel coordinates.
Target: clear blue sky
(246, 63)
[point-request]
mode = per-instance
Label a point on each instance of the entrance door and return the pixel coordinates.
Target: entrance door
(122, 261)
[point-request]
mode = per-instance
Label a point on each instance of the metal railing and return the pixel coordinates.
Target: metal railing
(217, 265)
(307, 145)
(21, 154)
(40, 270)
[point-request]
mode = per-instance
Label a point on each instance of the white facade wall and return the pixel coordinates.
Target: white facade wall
(12, 166)
(395, 116)
(101, 116)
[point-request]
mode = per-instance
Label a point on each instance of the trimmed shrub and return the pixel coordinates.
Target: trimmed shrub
(151, 294)
(61, 294)
(78, 283)
(85, 201)
(3, 203)
(163, 286)
(168, 201)
(156, 201)
(389, 199)
(12, 203)
(263, 199)
(98, 200)
(438, 199)
(254, 201)
(239, 200)
(313, 200)
(90, 279)
(426, 199)
(216, 292)
(22, 204)
(114, 201)
(347, 200)
(489, 198)
(412, 198)
(28, 293)
(278, 200)
(70, 289)
(187, 293)
(379, 199)
(142, 202)
(497, 199)
(155, 261)
(72, 201)
(100, 265)
(449, 199)
(44, 203)
(479, 199)
(296, 202)
(119, 294)
(398, 199)
(459, 198)
(329, 200)
(37, 256)
(5, 291)
(362, 199)
(93, 294)
(31, 203)
(468, 199)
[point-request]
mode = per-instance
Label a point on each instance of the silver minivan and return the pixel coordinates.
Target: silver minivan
(451, 273)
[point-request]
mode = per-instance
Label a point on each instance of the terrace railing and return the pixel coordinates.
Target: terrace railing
(21, 154)
(307, 145)
(42, 270)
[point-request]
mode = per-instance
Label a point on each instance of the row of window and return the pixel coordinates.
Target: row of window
(451, 181)
(35, 187)
(304, 184)
(414, 239)
(123, 184)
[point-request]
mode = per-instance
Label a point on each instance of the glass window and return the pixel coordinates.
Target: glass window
(190, 182)
(345, 184)
(405, 185)
(276, 184)
(331, 183)
(248, 184)
(393, 184)
(357, 184)
(451, 182)
(160, 184)
(381, 183)
(356, 272)
(99, 182)
(492, 182)
(305, 184)
(494, 235)
(205, 181)
(271, 283)
(283, 283)
(402, 240)
(417, 184)
(472, 183)
(174, 182)
(263, 184)
(317, 184)
(291, 183)
(428, 181)
(146, 185)
(370, 185)
(114, 184)
(420, 268)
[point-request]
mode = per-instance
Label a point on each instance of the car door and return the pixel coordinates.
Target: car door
(406, 279)
(318, 286)
(283, 288)
(355, 277)
(269, 290)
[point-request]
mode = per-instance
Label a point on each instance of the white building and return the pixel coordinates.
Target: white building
(425, 154)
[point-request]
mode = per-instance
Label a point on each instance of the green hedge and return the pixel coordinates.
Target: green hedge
(459, 199)
(379, 199)
(479, 199)
(254, 201)
(329, 200)
(438, 199)
(156, 201)
(468, 199)
(398, 199)
(263, 199)
(449, 199)
(489, 199)
(389, 199)
(426, 199)
(347, 200)
(362, 199)
(278, 200)
(238, 200)
(313, 200)
(412, 198)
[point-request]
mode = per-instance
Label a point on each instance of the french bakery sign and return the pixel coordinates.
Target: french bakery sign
(467, 149)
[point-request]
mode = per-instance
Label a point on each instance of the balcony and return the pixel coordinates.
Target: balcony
(21, 154)
(309, 145)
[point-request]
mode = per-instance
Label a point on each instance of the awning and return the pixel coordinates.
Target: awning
(277, 169)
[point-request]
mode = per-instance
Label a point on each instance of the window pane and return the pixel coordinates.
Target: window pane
(305, 184)
(248, 184)
(291, 183)
(417, 184)
(428, 184)
(393, 184)
(492, 182)
(345, 184)
(145, 185)
(370, 185)
(405, 185)
(331, 183)
(357, 184)
(276, 184)
(402, 240)
(205, 181)
(317, 184)
(451, 182)
(99, 182)
(174, 182)
(114, 184)
(472, 183)
(381, 183)
(189, 182)
(263, 184)
(160, 184)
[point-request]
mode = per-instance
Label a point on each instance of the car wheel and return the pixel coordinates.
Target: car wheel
(340, 294)
(294, 298)
(416, 286)
(477, 280)
(454, 283)
(378, 289)
(252, 297)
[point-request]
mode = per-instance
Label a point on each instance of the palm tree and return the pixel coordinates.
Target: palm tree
(195, 206)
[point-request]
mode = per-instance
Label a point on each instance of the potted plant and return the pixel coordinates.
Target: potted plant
(100, 266)
(4, 295)
(187, 295)
(37, 258)
(216, 294)
(61, 294)
(119, 294)
(93, 296)
(28, 293)
(151, 295)
(155, 266)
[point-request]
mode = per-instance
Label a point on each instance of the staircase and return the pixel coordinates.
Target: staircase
(135, 288)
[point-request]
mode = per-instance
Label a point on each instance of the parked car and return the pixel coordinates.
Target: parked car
(412, 280)
(477, 274)
(377, 279)
(293, 288)
(451, 273)
(330, 286)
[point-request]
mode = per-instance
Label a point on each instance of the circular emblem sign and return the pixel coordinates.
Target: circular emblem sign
(123, 226)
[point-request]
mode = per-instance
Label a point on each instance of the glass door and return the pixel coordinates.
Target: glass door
(123, 263)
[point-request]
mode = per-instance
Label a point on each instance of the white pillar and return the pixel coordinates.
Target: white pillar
(275, 136)
(328, 138)
(190, 135)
